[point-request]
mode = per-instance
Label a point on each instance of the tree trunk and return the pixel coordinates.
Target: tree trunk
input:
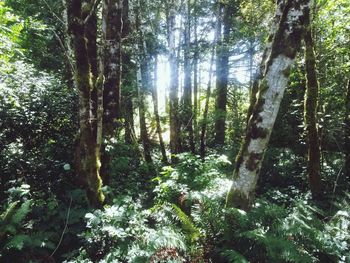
(222, 71)
(112, 27)
(347, 132)
(156, 113)
(87, 153)
(285, 44)
(195, 80)
(310, 112)
(175, 139)
(260, 74)
(143, 80)
(128, 105)
(206, 108)
(188, 140)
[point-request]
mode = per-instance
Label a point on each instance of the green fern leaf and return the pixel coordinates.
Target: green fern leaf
(17, 242)
(21, 213)
(234, 257)
(187, 224)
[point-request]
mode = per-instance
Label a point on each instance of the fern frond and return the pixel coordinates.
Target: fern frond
(186, 222)
(17, 242)
(10, 211)
(233, 256)
(21, 212)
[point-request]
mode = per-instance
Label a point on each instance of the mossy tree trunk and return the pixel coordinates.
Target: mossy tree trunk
(128, 90)
(347, 132)
(310, 113)
(285, 42)
(175, 138)
(112, 28)
(87, 153)
(143, 85)
(156, 112)
(222, 71)
(260, 72)
(195, 80)
(187, 116)
(206, 108)
(128, 104)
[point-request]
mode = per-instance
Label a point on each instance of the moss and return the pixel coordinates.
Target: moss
(263, 87)
(253, 161)
(235, 198)
(286, 71)
(258, 132)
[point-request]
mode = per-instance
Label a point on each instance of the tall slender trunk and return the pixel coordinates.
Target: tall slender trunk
(260, 74)
(128, 105)
(195, 80)
(206, 107)
(347, 132)
(188, 140)
(156, 112)
(87, 153)
(128, 91)
(222, 71)
(284, 45)
(310, 112)
(112, 27)
(143, 80)
(175, 139)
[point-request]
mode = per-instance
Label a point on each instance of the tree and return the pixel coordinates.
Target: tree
(88, 152)
(175, 138)
(112, 35)
(188, 136)
(347, 132)
(206, 108)
(222, 70)
(143, 82)
(156, 112)
(310, 111)
(195, 76)
(285, 41)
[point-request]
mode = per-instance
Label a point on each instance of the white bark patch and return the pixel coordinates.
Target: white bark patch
(277, 83)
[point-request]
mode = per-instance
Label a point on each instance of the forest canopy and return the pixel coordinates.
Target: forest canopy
(174, 131)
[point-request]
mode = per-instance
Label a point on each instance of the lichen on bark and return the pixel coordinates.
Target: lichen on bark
(310, 112)
(87, 156)
(281, 53)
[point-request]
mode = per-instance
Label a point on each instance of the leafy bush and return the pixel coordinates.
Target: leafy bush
(124, 232)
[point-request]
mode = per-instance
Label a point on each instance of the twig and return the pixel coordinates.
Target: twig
(65, 51)
(64, 229)
(54, 14)
(95, 5)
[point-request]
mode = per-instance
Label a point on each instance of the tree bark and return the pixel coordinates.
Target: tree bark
(347, 132)
(222, 71)
(87, 153)
(285, 44)
(260, 74)
(175, 139)
(156, 112)
(188, 137)
(143, 80)
(195, 80)
(128, 105)
(112, 28)
(206, 108)
(310, 112)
